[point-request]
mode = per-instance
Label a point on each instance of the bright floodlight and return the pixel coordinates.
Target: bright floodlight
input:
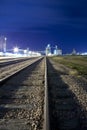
(5, 38)
(16, 49)
(48, 45)
(25, 51)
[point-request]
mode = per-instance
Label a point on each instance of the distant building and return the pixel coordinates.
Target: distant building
(48, 50)
(57, 51)
(74, 52)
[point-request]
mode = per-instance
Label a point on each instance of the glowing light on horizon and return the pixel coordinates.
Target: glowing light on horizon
(16, 49)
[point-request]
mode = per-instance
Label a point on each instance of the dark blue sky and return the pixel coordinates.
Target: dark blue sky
(36, 23)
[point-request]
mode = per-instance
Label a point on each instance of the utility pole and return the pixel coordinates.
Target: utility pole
(4, 46)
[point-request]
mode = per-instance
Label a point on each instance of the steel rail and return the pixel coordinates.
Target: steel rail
(10, 62)
(3, 80)
(46, 102)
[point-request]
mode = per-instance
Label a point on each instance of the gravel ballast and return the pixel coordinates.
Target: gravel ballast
(22, 100)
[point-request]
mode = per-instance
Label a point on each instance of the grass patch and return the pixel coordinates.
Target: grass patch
(78, 63)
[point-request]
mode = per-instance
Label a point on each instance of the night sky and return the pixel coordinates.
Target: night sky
(36, 23)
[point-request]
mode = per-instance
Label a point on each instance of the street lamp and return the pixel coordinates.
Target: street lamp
(5, 44)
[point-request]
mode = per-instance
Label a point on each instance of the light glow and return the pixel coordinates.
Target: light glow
(16, 49)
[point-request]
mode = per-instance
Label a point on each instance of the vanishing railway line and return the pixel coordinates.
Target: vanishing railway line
(22, 99)
(63, 108)
(11, 67)
(39, 94)
(7, 62)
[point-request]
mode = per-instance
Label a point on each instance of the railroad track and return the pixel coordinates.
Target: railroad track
(7, 62)
(22, 99)
(62, 107)
(13, 67)
(67, 99)
(36, 97)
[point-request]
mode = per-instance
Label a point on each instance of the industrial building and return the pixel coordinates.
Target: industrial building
(56, 50)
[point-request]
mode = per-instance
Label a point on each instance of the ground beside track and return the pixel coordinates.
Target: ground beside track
(67, 98)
